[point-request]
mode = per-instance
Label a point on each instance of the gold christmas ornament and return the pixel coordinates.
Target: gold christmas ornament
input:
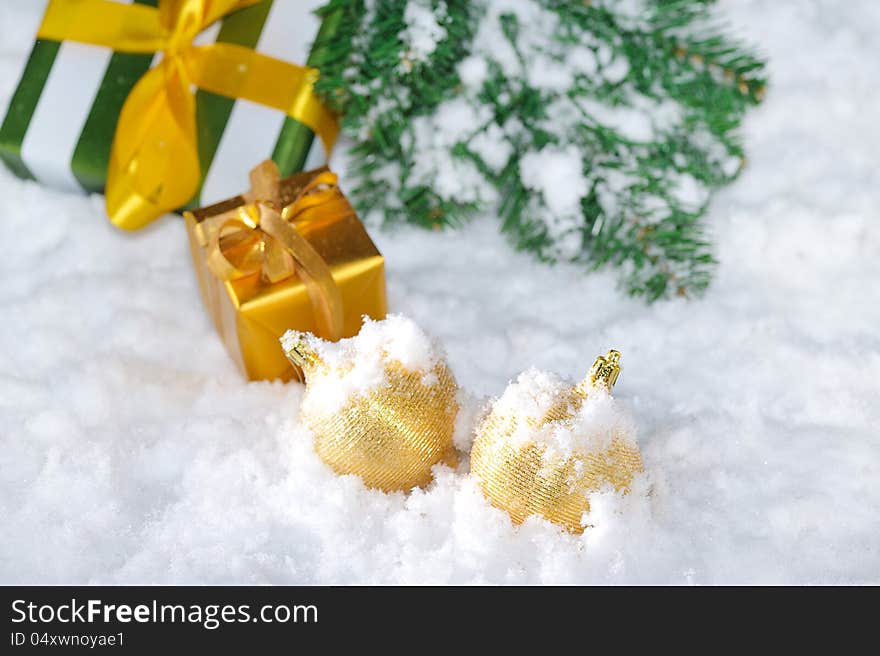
(381, 405)
(545, 445)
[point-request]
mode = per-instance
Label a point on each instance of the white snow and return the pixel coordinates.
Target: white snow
(451, 178)
(422, 33)
(557, 174)
(492, 147)
(615, 71)
(590, 429)
(632, 124)
(356, 366)
(131, 451)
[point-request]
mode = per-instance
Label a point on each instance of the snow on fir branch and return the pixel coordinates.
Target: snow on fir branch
(597, 131)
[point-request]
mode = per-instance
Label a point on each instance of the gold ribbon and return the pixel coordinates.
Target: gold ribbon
(260, 238)
(154, 162)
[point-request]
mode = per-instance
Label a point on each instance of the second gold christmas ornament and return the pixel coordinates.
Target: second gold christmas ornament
(546, 445)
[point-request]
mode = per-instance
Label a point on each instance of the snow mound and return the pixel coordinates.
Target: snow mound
(589, 427)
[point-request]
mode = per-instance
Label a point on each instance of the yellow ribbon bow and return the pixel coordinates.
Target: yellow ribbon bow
(154, 162)
(259, 237)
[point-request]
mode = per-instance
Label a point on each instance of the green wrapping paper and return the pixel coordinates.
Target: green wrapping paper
(60, 126)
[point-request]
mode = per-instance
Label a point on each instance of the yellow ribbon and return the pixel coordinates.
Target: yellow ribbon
(154, 162)
(260, 238)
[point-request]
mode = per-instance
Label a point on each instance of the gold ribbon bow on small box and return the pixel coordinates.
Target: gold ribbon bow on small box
(154, 161)
(287, 254)
(260, 239)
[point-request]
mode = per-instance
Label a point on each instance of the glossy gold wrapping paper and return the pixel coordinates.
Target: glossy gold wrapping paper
(527, 480)
(251, 314)
(392, 436)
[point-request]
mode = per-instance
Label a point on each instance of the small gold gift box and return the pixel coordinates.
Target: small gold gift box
(288, 254)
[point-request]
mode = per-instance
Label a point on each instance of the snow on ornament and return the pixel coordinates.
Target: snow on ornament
(380, 405)
(546, 445)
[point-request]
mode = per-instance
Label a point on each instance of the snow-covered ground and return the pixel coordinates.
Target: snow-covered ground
(131, 451)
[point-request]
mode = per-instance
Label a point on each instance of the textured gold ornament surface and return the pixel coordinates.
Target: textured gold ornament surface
(529, 479)
(392, 435)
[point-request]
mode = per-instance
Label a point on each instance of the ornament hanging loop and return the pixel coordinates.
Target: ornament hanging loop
(298, 350)
(603, 373)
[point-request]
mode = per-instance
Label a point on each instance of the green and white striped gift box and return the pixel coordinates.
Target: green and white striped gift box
(62, 116)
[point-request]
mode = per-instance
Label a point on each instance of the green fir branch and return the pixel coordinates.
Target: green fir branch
(433, 147)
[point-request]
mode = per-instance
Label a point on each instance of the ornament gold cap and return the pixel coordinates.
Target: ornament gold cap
(604, 372)
(298, 350)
